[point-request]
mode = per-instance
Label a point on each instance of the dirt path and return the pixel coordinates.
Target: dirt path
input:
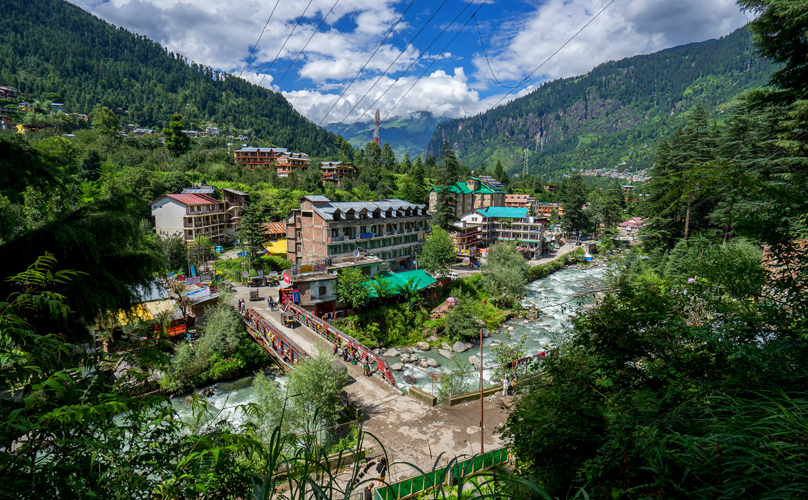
(409, 430)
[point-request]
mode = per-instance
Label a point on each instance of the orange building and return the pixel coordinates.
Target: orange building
(252, 157)
(334, 171)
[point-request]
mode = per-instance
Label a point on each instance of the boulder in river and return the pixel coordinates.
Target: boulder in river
(432, 338)
(445, 353)
(446, 346)
(460, 346)
(188, 399)
(424, 346)
(475, 362)
(397, 367)
(432, 363)
(409, 379)
(391, 353)
(532, 314)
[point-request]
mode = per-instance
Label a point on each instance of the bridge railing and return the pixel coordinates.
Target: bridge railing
(333, 334)
(275, 341)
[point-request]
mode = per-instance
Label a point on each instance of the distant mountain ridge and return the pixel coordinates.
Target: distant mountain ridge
(616, 113)
(405, 135)
(56, 47)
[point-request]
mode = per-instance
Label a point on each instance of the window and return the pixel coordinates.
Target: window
(306, 214)
(323, 291)
(334, 233)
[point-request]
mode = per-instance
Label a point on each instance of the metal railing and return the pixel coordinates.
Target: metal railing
(273, 340)
(333, 334)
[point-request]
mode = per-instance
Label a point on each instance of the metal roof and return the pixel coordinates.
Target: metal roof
(235, 191)
(200, 190)
(253, 150)
(327, 212)
(504, 212)
(192, 199)
(316, 198)
(151, 292)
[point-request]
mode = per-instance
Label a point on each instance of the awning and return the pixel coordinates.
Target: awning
(276, 247)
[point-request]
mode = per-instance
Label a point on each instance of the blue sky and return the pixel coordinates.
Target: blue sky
(518, 37)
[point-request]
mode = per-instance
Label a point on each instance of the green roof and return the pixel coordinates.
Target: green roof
(462, 188)
(504, 212)
(422, 280)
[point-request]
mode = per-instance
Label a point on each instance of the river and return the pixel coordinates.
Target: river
(554, 296)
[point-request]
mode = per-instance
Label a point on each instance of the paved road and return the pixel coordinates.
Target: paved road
(564, 250)
(409, 430)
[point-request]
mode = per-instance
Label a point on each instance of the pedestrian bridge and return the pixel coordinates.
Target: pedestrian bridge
(285, 344)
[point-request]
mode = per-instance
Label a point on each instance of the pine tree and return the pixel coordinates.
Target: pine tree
(447, 176)
(177, 141)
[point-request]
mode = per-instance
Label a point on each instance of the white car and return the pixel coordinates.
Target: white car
(453, 276)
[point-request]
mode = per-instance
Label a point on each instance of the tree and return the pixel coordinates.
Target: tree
(501, 175)
(388, 158)
(175, 250)
(461, 322)
(351, 287)
(448, 173)
(409, 291)
(251, 228)
(504, 272)
(573, 198)
(91, 166)
(105, 121)
(380, 287)
(438, 253)
(177, 141)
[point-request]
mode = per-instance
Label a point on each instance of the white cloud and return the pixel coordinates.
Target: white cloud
(624, 29)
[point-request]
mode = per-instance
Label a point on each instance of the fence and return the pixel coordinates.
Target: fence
(333, 334)
(447, 475)
(330, 440)
(273, 340)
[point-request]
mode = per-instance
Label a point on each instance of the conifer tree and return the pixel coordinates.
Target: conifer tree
(447, 176)
(177, 141)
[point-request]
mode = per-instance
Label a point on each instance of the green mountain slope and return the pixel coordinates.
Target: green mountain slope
(405, 135)
(53, 46)
(616, 113)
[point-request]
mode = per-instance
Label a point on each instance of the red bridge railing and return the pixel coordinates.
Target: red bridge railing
(332, 334)
(273, 340)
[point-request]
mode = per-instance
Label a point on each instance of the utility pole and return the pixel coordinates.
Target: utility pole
(482, 446)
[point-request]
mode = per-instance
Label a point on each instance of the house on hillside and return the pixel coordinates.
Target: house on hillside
(485, 227)
(26, 107)
(287, 162)
(190, 216)
(258, 157)
(334, 171)
(470, 195)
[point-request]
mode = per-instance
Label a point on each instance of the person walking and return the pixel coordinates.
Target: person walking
(366, 367)
(368, 493)
(505, 386)
(381, 469)
(336, 348)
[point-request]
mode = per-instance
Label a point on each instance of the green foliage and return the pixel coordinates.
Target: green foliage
(573, 197)
(507, 352)
(461, 322)
(386, 325)
(105, 121)
(251, 228)
(504, 272)
(177, 141)
(447, 175)
(438, 253)
(351, 288)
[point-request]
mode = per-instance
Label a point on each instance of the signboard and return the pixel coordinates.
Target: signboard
(296, 296)
(286, 278)
(181, 277)
(319, 268)
(306, 269)
(260, 274)
(363, 236)
(287, 296)
(245, 274)
(205, 277)
(192, 281)
(193, 271)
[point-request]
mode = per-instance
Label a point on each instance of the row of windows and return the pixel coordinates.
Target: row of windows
(377, 229)
(370, 245)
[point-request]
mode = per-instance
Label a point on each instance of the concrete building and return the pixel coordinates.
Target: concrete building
(519, 200)
(470, 195)
(258, 157)
(334, 171)
(331, 233)
(485, 227)
(289, 161)
(196, 213)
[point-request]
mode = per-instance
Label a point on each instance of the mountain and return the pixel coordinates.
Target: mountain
(52, 46)
(616, 113)
(405, 135)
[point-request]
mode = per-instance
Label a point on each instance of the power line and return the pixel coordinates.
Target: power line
(394, 61)
(285, 41)
(556, 52)
(416, 60)
(307, 43)
(430, 65)
(366, 62)
(489, 62)
(259, 39)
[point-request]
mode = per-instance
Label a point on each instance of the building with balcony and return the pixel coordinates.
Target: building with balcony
(289, 161)
(194, 215)
(258, 157)
(519, 200)
(26, 107)
(334, 171)
(336, 234)
(545, 210)
(470, 195)
(485, 227)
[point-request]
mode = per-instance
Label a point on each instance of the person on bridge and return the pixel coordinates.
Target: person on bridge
(336, 348)
(366, 368)
(381, 468)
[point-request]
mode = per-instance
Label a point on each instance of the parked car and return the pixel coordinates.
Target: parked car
(453, 276)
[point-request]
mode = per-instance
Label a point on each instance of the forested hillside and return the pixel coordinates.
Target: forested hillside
(616, 113)
(51, 46)
(405, 135)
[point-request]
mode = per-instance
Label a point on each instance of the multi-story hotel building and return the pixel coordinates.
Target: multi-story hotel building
(470, 195)
(334, 171)
(519, 200)
(483, 228)
(198, 214)
(290, 161)
(322, 232)
(258, 157)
